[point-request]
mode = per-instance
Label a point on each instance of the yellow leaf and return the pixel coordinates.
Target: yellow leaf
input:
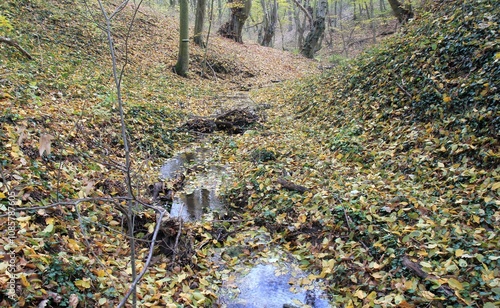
(495, 186)
(24, 281)
(377, 275)
(372, 296)
(83, 284)
(408, 285)
(459, 253)
(455, 284)
(181, 277)
(102, 301)
(73, 245)
(446, 98)
(428, 295)
(2, 196)
(360, 294)
(374, 265)
(302, 218)
(4, 94)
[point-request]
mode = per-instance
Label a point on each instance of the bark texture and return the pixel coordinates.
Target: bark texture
(311, 43)
(240, 10)
(182, 65)
(198, 22)
(266, 33)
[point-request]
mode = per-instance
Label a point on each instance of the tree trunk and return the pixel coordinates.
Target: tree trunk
(311, 43)
(401, 13)
(182, 65)
(266, 33)
(198, 23)
(240, 9)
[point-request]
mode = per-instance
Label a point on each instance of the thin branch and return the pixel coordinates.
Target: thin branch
(303, 9)
(128, 180)
(204, 63)
(15, 44)
(404, 90)
(119, 9)
(69, 203)
(176, 245)
(148, 260)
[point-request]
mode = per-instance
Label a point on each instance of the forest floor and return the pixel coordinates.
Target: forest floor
(380, 177)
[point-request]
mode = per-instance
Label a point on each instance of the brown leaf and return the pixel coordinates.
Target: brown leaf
(20, 131)
(45, 141)
(73, 300)
(89, 186)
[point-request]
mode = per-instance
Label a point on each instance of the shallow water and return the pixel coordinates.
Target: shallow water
(199, 194)
(269, 286)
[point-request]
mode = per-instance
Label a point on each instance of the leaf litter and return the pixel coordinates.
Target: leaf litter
(398, 149)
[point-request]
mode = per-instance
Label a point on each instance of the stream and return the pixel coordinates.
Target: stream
(273, 281)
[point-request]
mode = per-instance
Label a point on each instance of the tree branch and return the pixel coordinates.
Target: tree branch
(13, 43)
(303, 9)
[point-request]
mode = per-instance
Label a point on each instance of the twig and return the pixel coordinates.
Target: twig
(178, 235)
(69, 203)
(303, 9)
(347, 218)
(13, 43)
(148, 260)
(204, 63)
(404, 90)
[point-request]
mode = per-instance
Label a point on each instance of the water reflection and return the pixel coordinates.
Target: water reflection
(200, 192)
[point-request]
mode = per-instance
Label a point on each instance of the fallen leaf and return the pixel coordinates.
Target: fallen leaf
(20, 131)
(45, 144)
(73, 300)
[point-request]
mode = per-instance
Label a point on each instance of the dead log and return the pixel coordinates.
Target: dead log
(291, 186)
